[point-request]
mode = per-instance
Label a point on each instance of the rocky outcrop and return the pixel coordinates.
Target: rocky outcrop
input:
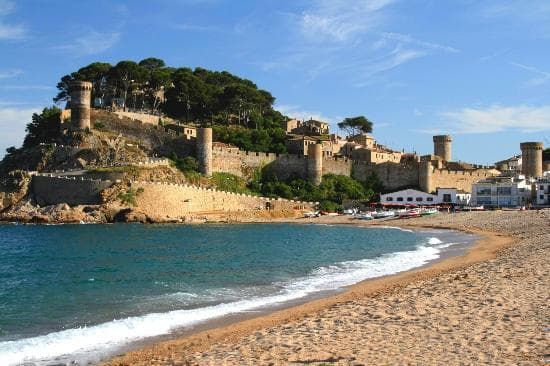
(13, 188)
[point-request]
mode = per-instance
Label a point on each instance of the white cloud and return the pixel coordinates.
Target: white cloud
(533, 14)
(91, 43)
(10, 31)
(405, 38)
(340, 20)
(496, 118)
(390, 61)
(10, 73)
(295, 111)
(542, 77)
(12, 126)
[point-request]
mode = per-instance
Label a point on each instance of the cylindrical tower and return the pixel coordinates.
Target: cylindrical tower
(81, 98)
(442, 146)
(204, 150)
(531, 158)
(425, 176)
(315, 163)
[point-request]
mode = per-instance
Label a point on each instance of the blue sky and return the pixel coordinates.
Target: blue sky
(479, 70)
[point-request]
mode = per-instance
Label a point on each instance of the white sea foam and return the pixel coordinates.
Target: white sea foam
(434, 241)
(99, 338)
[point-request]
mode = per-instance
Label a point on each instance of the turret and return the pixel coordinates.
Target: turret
(531, 158)
(442, 146)
(425, 176)
(204, 150)
(81, 98)
(315, 163)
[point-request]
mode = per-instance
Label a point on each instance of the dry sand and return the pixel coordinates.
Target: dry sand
(487, 307)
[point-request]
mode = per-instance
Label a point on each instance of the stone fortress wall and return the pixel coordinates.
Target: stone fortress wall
(157, 198)
(284, 166)
(51, 189)
(391, 175)
(177, 200)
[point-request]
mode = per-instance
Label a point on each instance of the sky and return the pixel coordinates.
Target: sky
(478, 70)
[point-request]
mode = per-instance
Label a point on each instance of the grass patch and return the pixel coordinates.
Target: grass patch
(129, 197)
(231, 183)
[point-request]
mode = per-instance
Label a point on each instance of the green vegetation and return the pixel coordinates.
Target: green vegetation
(44, 127)
(330, 194)
(231, 183)
(356, 125)
(129, 197)
(268, 140)
(546, 154)
(198, 94)
(189, 166)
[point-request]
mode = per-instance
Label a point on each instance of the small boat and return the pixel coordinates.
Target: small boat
(415, 212)
(383, 214)
(429, 211)
(350, 211)
(312, 214)
(363, 216)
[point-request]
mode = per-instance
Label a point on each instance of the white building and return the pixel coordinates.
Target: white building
(512, 164)
(415, 197)
(502, 192)
(542, 192)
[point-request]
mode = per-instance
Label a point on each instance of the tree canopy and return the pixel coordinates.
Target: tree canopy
(356, 125)
(44, 127)
(193, 95)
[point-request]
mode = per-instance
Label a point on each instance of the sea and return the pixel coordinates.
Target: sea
(80, 294)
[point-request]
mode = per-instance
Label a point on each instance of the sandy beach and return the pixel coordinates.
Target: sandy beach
(489, 306)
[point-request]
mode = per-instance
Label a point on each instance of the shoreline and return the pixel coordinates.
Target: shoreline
(487, 246)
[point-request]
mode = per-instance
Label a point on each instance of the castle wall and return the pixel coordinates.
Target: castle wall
(460, 179)
(156, 139)
(178, 200)
(239, 162)
(339, 166)
(392, 176)
(51, 190)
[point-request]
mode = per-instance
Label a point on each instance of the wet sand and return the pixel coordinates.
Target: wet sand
(486, 307)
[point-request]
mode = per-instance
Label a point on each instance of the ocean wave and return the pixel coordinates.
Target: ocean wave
(111, 335)
(434, 241)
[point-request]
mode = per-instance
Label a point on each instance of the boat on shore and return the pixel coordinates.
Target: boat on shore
(406, 214)
(383, 214)
(429, 211)
(364, 216)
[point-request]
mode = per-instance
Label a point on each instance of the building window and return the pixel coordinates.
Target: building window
(430, 199)
(541, 196)
(418, 199)
(409, 199)
(504, 190)
(447, 197)
(389, 198)
(400, 199)
(541, 188)
(484, 191)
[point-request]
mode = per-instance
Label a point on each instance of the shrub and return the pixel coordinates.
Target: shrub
(129, 197)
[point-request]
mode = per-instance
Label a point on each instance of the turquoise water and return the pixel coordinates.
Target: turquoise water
(69, 291)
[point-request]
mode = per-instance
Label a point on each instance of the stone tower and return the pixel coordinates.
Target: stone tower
(425, 176)
(531, 158)
(442, 146)
(315, 163)
(81, 98)
(204, 150)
